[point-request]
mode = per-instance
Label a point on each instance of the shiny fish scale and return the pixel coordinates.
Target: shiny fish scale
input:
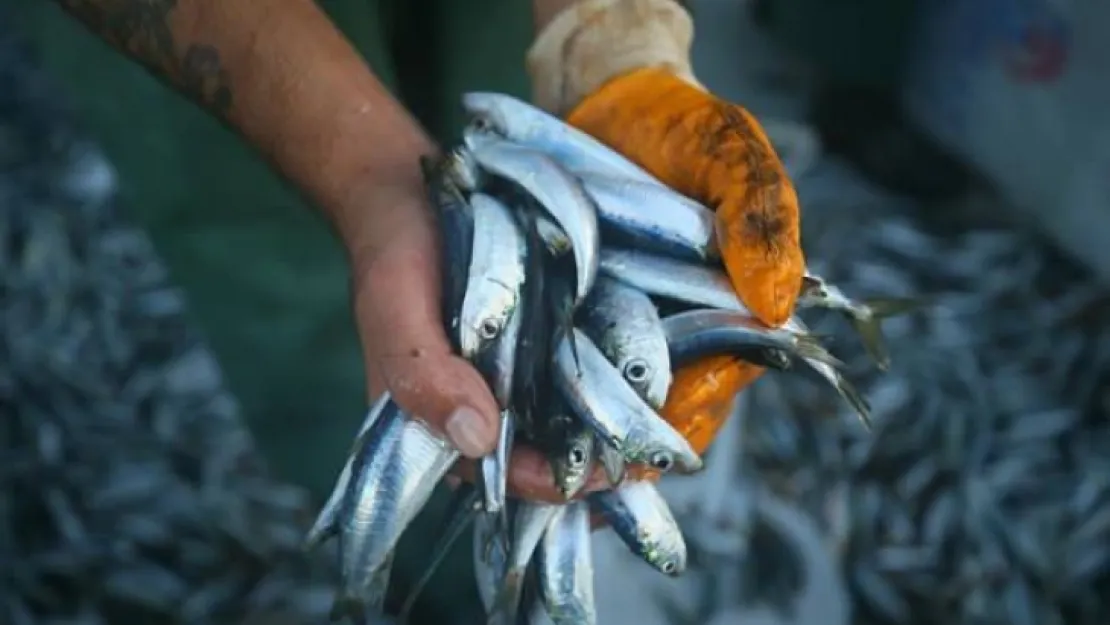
(117, 419)
(971, 405)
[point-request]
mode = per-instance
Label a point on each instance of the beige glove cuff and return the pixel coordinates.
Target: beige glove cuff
(592, 41)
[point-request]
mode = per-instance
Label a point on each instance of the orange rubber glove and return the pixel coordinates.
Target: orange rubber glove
(620, 70)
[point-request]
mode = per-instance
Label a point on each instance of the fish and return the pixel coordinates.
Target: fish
(642, 519)
(530, 521)
(495, 466)
(397, 465)
(527, 125)
(455, 221)
(464, 507)
(564, 566)
(652, 217)
(664, 277)
(561, 303)
(568, 445)
(702, 332)
(597, 392)
(495, 276)
(534, 344)
(555, 190)
(624, 323)
(865, 316)
(326, 524)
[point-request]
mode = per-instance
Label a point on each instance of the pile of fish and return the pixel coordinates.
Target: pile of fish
(130, 491)
(983, 493)
(558, 255)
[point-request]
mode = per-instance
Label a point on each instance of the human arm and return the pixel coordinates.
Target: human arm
(280, 74)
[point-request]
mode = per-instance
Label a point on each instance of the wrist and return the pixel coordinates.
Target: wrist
(594, 41)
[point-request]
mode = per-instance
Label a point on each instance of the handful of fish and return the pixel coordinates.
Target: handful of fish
(578, 285)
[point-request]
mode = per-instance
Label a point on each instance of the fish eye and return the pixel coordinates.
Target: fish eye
(577, 456)
(661, 461)
(489, 329)
(636, 371)
(482, 123)
(669, 567)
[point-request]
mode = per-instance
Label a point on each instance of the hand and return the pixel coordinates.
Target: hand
(620, 70)
(397, 309)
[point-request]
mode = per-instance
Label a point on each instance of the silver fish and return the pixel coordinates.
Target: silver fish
(564, 563)
(327, 521)
(495, 278)
(397, 465)
(866, 316)
(527, 125)
(455, 220)
(530, 520)
(597, 392)
(559, 193)
(495, 467)
(705, 286)
(642, 519)
(653, 217)
(624, 323)
(694, 334)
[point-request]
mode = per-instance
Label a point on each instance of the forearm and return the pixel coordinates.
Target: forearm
(282, 75)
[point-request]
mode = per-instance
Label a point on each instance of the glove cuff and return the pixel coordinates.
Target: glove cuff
(594, 41)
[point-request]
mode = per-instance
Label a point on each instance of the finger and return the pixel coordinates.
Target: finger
(530, 477)
(397, 308)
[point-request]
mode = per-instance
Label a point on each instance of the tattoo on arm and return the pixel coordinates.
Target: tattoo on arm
(141, 29)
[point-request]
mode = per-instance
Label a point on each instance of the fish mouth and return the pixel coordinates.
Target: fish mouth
(656, 392)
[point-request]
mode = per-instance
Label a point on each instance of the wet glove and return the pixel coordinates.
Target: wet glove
(620, 70)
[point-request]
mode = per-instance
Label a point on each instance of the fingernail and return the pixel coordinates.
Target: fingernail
(469, 432)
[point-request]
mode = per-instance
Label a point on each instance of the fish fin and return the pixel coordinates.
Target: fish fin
(809, 346)
(612, 462)
(461, 512)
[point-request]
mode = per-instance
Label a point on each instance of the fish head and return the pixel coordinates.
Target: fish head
(667, 554)
(461, 169)
(484, 317)
(649, 373)
(662, 449)
(489, 112)
(571, 462)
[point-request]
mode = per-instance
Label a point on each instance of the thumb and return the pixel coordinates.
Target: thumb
(397, 309)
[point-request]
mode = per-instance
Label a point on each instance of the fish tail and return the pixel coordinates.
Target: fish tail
(809, 346)
(852, 395)
(507, 604)
(868, 324)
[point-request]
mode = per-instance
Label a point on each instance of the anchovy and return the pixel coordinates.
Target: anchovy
(642, 519)
(495, 278)
(327, 521)
(495, 467)
(866, 316)
(598, 393)
(491, 559)
(564, 563)
(527, 125)
(624, 323)
(698, 333)
(455, 219)
(652, 216)
(704, 286)
(529, 523)
(560, 194)
(397, 465)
